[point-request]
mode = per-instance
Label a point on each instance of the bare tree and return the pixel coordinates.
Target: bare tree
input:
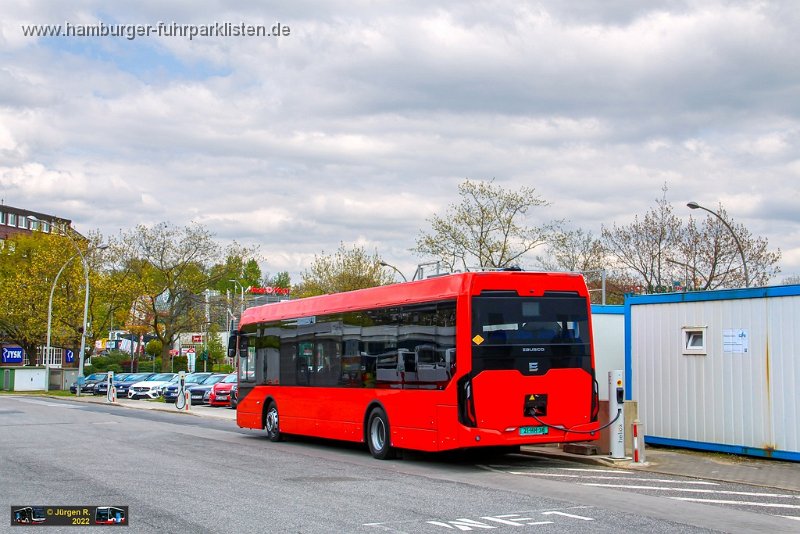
(660, 251)
(574, 250)
(646, 246)
(486, 229)
(580, 251)
(710, 257)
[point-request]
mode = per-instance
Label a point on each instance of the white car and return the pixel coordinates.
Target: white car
(150, 388)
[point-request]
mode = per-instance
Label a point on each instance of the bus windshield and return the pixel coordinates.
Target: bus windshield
(531, 334)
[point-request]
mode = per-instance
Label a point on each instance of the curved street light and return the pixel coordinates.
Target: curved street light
(395, 269)
(694, 205)
(85, 306)
(50, 306)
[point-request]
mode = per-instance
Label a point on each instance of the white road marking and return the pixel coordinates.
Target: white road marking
(739, 503)
(462, 524)
(615, 471)
(569, 515)
(693, 490)
(505, 519)
(562, 475)
(790, 517)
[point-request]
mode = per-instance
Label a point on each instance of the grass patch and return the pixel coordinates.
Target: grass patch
(41, 393)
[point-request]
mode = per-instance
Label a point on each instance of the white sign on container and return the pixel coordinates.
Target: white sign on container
(735, 340)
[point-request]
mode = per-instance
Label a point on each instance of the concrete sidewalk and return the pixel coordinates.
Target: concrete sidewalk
(698, 464)
(682, 462)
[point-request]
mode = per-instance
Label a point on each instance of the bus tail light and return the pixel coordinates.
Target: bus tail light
(466, 403)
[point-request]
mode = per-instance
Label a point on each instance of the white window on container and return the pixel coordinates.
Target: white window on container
(694, 339)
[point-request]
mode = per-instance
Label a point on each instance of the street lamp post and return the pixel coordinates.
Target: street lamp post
(85, 307)
(395, 269)
(602, 284)
(241, 304)
(694, 205)
(47, 349)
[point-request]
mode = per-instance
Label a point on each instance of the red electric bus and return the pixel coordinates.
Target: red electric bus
(475, 359)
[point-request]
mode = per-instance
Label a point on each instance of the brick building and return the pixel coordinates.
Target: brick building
(15, 221)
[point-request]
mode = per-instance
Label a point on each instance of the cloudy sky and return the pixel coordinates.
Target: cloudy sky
(360, 124)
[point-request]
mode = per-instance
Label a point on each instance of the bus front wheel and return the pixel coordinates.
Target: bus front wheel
(378, 437)
(271, 422)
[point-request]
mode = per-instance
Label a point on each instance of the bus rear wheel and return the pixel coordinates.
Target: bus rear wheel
(378, 436)
(271, 422)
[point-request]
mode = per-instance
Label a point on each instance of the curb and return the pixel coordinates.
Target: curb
(580, 458)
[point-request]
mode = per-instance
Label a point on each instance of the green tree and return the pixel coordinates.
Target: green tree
(251, 274)
(217, 351)
(281, 279)
(154, 347)
(170, 267)
(488, 228)
(345, 270)
(29, 264)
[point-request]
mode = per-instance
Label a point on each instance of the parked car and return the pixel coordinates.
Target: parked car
(150, 387)
(199, 393)
(101, 388)
(89, 384)
(170, 393)
(220, 394)
(122, 384)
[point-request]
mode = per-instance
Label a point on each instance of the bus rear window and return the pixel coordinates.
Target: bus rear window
(530, 334)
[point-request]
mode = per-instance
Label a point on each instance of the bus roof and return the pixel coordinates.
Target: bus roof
(446, 287)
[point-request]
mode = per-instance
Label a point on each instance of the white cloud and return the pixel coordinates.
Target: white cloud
(360, 125)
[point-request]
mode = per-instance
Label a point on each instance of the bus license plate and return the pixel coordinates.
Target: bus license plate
(532, 430)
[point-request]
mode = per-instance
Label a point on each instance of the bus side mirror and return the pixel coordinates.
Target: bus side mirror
(232, 345)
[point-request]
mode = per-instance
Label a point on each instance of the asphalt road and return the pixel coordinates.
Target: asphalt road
(179, 473)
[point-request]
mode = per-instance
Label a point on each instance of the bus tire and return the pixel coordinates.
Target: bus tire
(272, 422)
(378, 436)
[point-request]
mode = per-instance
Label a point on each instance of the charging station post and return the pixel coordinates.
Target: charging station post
(182, 400)
(616, 410)
(111, 391)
